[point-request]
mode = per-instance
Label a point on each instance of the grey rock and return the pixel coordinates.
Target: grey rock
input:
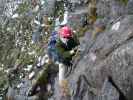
(117, 9)
(110, 8)
(108, 92)
(103, 8)
(130, 7)
(75, 18)
(120, 66)
(112, 49)
(108, 41)
(83, 91)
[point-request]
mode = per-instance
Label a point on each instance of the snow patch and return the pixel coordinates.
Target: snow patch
(116, 26)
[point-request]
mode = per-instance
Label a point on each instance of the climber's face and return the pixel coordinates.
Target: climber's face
(63, 39)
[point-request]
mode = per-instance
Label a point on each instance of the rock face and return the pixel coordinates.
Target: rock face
(113, 61)
(104, 71)
(108, 92)
(130, 7)
(110, 8)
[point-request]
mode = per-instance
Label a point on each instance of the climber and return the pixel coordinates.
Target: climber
(53, 57)
(66, 48)
(53, 38)
(51, 49)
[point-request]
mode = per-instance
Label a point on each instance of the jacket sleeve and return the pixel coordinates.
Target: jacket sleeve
(62, 52)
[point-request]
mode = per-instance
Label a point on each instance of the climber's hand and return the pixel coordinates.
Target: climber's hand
(72, 52)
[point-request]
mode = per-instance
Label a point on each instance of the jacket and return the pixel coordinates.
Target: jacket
(63, 50)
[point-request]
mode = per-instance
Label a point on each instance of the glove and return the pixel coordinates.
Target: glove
(72, 52)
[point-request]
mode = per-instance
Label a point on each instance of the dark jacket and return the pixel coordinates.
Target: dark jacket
(64, 50)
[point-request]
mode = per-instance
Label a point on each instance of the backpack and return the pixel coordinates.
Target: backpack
(52, 40)
(52, 47)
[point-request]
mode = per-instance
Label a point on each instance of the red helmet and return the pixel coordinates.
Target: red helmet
(65, 32)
